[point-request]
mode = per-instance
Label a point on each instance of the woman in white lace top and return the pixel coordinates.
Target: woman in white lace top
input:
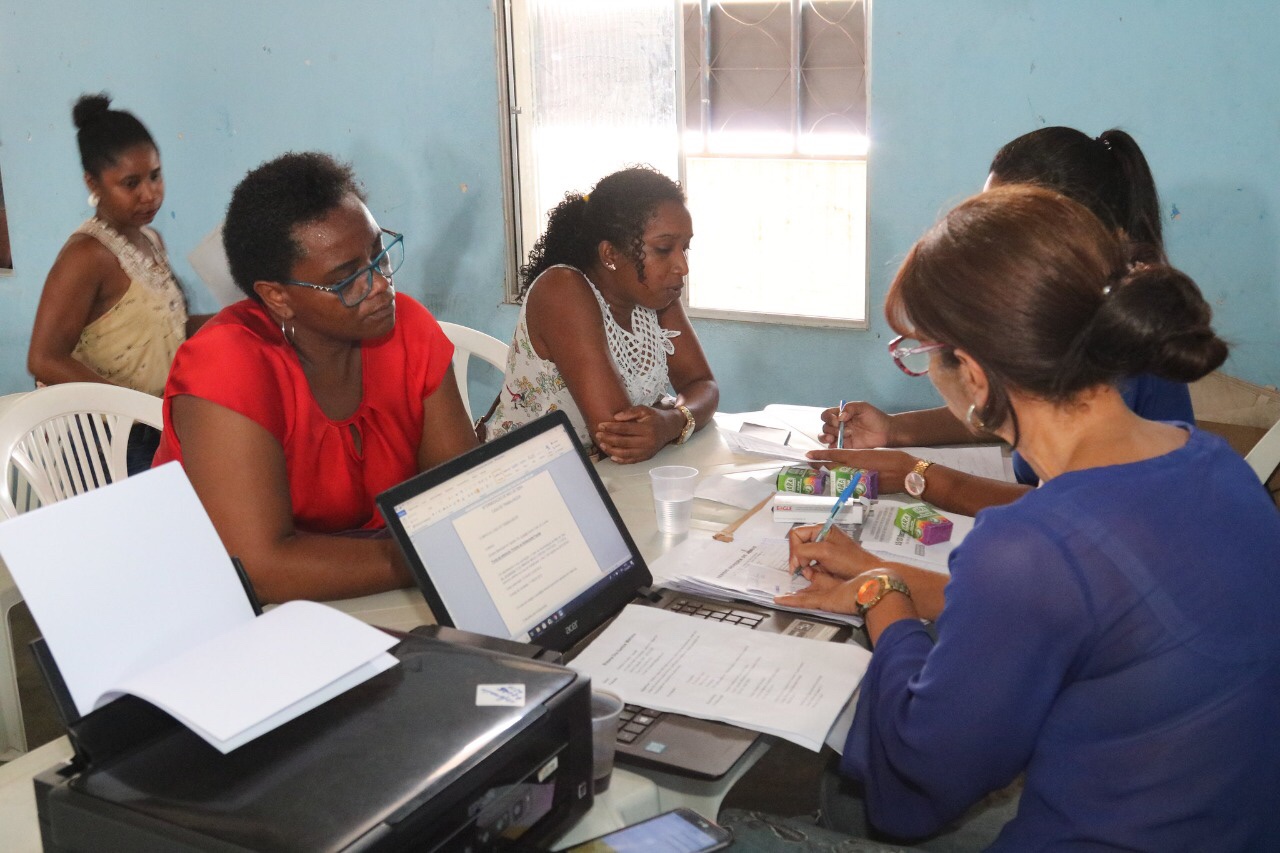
(602, 333)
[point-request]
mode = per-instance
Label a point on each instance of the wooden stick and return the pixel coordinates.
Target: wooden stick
(726, 534)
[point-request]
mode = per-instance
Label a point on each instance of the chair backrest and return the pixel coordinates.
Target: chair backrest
(19, 489)
(1264, 458)
(67, 439)
(468, 342)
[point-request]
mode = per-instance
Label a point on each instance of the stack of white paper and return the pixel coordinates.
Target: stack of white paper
(751, 570)
(786, 686)
(134, 593)
(740, 442)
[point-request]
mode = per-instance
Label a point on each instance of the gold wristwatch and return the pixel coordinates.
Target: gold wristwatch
(689, 424)
(875, 588)
(914, 482)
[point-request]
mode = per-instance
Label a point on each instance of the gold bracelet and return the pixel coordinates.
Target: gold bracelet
(689, 425)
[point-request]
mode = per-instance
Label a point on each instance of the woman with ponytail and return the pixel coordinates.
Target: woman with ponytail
(1109, 175)
(1109, 638)
(602, 333)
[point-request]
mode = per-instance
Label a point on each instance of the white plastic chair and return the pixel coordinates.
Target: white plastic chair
(1264, 458)
(55, 443)
(468, 342)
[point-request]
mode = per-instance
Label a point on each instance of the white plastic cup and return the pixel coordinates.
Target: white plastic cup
(606, 713)
(673, 496)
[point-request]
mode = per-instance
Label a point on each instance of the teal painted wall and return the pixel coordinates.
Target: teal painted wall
(404, 89)
(407, 92)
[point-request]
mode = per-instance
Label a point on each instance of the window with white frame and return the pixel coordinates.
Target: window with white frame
(757, 106)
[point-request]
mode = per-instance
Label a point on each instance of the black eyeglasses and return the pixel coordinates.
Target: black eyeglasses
(356, 287)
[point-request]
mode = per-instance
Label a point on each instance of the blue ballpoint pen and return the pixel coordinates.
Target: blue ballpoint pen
(839, 427)
(840, 501)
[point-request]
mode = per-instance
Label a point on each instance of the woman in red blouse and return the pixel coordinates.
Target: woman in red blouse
(292, 409)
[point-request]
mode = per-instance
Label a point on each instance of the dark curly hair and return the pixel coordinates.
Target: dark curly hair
(617, 209)
(270, 202)
(102, 133)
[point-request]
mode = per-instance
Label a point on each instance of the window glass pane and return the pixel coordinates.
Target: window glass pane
(778, 235)
(775, 77)
(603, 94)
(833, 91)
(764, 119)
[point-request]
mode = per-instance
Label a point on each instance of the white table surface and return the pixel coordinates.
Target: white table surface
(632, 795)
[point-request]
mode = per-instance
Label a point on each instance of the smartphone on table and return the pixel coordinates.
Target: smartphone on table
(676, 831)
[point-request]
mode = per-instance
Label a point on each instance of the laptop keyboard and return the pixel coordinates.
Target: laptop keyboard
(635, 720)
(704, 610)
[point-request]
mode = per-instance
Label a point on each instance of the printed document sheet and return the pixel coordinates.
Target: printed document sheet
(787, 686)
(743, 570)
(879, 536)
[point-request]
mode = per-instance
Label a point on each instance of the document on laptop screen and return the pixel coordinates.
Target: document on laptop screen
(527, 550)
(509, 544)
(787, 686)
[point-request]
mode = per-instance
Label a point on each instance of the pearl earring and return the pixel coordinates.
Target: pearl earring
(93, 199)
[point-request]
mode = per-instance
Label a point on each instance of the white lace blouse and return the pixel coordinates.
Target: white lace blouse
(533, 386)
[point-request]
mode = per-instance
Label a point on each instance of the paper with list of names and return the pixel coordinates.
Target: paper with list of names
(786, 686)
(135, 593)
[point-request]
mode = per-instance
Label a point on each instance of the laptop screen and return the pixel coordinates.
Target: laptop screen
(517, 538)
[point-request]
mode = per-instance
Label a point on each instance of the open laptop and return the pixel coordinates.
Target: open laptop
(519, 540)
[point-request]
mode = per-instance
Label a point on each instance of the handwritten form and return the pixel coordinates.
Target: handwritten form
(135, 593)
(743, 570)
(786, 686)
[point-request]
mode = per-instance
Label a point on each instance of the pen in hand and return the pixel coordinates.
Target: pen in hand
(840, 427)
(835, 510)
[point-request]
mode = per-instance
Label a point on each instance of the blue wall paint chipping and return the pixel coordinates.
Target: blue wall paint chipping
(406, 91)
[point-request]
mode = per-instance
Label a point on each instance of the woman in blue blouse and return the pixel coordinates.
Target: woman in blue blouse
(1110, 176)
(1110, 637)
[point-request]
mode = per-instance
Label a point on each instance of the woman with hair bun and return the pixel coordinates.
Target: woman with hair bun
(1110, 636)
(111, 310)
(602, 333)
(1109, 175)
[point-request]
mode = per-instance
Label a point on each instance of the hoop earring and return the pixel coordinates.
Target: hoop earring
(289, 334)
(94, 199)
(974, 423)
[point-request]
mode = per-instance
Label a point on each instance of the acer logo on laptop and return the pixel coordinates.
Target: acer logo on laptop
(571, 627)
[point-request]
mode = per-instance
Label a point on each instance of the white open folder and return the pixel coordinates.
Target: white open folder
(134, 593)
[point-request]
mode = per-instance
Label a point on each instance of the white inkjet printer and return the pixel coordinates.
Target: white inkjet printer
(457, 748)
